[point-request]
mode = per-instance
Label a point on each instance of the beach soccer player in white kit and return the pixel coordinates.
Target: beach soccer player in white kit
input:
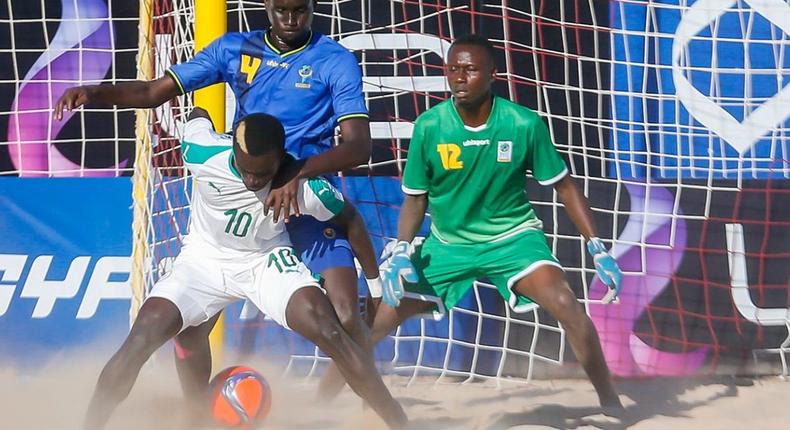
(236, 251)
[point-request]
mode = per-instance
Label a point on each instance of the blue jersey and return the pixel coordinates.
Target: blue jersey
(309, 89)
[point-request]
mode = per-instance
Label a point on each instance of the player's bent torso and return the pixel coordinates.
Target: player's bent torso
(224, 214)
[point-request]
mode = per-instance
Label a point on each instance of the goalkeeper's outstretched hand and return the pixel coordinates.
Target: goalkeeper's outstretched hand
(394, 270)
(608, 270)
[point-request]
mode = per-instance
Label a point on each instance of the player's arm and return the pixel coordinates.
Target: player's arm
(549, 169)
(138, 94)
(576, 206)
(354, 150)
(412, 214)
(416, 183)
(578, 209)
(202, 70)
(345, 87)
(359, 239)
(322, 201)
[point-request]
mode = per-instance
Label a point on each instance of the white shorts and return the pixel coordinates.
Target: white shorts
(200, 285)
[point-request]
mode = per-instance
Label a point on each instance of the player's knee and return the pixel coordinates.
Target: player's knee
(140, 344)
(191, 340)
(148, 333)
(567, 307)
(349, 317)
(329, 336)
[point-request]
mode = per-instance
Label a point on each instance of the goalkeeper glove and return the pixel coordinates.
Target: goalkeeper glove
(607, 268)
(397, 266)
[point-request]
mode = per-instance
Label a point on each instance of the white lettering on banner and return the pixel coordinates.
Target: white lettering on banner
(396, 84)
(739, 284)
(100, 287)
(739, 288)
(740, 135)
(47, 292)
(11, 266)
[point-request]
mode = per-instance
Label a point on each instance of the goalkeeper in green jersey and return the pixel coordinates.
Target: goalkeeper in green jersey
(467, 161)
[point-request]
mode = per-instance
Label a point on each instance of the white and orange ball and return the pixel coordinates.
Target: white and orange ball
(239, 397)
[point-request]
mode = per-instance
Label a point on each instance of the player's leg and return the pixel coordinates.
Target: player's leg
(193, 360)
(385, 320)
(158, 320)
(310, 314)
(548, 287)
(286, 291)
(440, 287)
(341, 288)
(525, 265)
(325, 250)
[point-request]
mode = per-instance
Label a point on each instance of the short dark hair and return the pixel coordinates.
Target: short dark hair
(476, 40)
(259, 133)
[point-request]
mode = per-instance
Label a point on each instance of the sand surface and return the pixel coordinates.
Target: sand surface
(56, 399)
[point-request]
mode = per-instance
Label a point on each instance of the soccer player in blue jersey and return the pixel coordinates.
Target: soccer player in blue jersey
(311, 84)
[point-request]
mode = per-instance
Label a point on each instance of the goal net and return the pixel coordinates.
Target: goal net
(672, 116)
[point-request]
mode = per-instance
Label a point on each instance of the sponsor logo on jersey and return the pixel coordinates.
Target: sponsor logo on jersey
(275, 63)
(476, 142)
(305, 72)
(504, 151)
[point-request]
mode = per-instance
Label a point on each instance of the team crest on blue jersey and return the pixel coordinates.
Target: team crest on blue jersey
(330, 233)
(305, 72)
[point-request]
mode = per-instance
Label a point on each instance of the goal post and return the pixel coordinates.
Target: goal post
(208, 25)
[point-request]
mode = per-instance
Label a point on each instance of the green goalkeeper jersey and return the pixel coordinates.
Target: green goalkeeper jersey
(475, 177)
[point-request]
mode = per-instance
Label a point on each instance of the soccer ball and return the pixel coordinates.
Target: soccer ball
(239, 397)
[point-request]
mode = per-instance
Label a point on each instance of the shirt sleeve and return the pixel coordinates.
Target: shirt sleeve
(204, 69)
(200, 143)
(345, 84)
(545, 162)
(318, 198)
(415, 174)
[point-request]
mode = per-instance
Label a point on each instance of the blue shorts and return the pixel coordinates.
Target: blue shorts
(320, 245)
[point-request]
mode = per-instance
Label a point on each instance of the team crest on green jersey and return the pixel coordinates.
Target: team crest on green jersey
(305, 72)
(504, 151)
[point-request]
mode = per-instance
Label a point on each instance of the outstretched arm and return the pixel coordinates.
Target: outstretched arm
(138, 94)
(359, 239)
(353, 151)
(578, 209)
(577, 206)
(412, 213)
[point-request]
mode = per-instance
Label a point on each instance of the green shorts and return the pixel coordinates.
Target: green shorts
(448, 271)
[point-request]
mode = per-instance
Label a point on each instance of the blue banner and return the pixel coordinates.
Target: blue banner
(64, 266)
(700, 89)
(64, 275)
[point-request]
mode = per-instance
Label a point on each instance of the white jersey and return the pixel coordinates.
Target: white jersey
(224, 214)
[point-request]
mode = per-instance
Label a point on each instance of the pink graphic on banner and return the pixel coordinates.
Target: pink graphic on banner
(80, 53)
(650, 221)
